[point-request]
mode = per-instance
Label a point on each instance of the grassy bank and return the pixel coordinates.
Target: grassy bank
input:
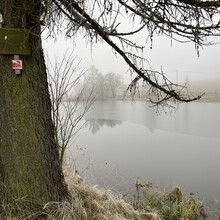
(92, 203)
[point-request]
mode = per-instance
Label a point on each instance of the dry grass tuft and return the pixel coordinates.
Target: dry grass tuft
(173, 205)
(92, 203)
(98, 203)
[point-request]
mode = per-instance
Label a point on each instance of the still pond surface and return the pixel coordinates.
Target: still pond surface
(123, 140)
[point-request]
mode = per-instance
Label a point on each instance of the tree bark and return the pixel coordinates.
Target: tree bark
(29, 159)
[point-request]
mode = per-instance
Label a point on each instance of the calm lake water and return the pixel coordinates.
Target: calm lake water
(123, 140)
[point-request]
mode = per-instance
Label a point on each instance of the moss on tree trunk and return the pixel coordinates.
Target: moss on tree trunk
(29, 159)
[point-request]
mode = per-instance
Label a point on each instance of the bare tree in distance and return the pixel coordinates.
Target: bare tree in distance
(95, 79)
(105, 85)
(68, 107)
(112, 83)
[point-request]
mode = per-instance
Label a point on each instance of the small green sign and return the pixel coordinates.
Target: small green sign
(14, 41)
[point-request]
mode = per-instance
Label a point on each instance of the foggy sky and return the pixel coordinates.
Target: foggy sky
(178, 60)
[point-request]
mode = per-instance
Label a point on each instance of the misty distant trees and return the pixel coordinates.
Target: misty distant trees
(104, 86)
(112, 83)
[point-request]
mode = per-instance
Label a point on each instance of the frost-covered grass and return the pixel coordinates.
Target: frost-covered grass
(92, 203)
(172, 205)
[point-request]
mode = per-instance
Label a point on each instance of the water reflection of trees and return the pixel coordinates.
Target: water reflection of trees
(95, 125)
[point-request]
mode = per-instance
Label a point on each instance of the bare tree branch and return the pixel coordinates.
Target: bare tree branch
(190, 19)
(67, 113)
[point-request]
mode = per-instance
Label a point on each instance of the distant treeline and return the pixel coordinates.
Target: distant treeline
(101, 85)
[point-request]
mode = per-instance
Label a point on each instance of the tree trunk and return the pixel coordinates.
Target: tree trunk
(29, 160)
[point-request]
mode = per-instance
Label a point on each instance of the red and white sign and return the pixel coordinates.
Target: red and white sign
(17, 64)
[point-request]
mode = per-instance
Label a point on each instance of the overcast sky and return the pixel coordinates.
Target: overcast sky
(177, 60)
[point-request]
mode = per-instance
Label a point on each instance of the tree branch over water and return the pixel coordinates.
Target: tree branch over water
(185, 19)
